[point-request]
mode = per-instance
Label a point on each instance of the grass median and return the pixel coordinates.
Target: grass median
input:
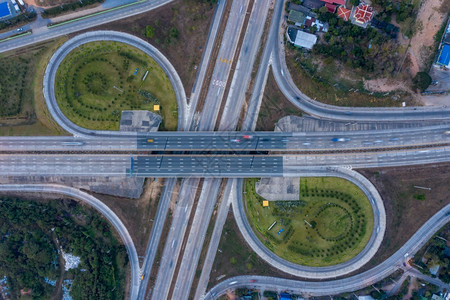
(98, 80)
(330, 223)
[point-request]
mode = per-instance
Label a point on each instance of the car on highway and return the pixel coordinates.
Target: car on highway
(247, 136)
(72, 143)
(19, 29)
(150, 140)
(340, 139)
(306, 144)
(235, 140)
(253, 280)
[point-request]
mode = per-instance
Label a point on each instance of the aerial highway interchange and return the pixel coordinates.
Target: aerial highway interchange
(224, 154)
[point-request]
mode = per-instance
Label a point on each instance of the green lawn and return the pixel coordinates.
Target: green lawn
(330, 224)
(96, 82)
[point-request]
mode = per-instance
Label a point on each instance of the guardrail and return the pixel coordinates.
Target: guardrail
(16, 36)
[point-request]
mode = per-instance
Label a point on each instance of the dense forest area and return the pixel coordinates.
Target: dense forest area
(31, 234)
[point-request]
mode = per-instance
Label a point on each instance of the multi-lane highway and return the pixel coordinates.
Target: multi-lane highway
(356, 149)
(238, 166)
(239, 141)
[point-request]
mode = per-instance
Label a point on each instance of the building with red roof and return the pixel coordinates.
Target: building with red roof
(343, 13)
(331, 7)
(362, 14)
(339, 2)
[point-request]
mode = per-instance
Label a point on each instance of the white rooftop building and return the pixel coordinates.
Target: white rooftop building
(301, 38)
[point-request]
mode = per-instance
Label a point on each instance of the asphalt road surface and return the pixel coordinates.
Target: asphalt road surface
(238, 141)
(238, 166)
(45, 34)
(175, 238)
(155, 235)
(222, 67)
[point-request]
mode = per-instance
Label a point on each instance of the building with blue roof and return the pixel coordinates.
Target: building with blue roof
(285, 296)
(4, 10)
(444, 56)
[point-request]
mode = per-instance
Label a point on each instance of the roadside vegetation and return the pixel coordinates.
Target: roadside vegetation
(22, 105)
(18, 20)
(98, 80)
(67, 7)
(373, 66)
(328, 81)
(32, 237)
(433, 258)
(330, 224)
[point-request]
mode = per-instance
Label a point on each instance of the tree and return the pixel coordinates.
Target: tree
(149, 31)
(354, 2)
(174, 33)
(313, 29)
(422, 81)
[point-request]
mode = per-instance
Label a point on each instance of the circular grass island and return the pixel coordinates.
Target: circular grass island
(330, 223)
(98, 80)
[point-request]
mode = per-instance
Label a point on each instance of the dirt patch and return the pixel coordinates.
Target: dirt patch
(179, 30)
(385, 85)
(137, 214)
(274, 106)
(235, 257)
(47, 3)
(429, 21)
(405, 211)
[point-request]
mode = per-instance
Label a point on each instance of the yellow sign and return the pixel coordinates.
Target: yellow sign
(265, 203)
(156, 107)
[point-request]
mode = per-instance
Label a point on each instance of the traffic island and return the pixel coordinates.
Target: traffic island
(98, 80)
(330, 222)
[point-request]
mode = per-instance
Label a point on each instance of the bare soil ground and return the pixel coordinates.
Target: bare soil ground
(431, 18)
(47, 3)
(191, 18)
(137, 214)
(235, 257)
(405, 214)
(274, 106)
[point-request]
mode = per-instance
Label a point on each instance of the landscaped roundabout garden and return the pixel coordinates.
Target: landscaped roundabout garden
(98, 80)
(331, 223)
